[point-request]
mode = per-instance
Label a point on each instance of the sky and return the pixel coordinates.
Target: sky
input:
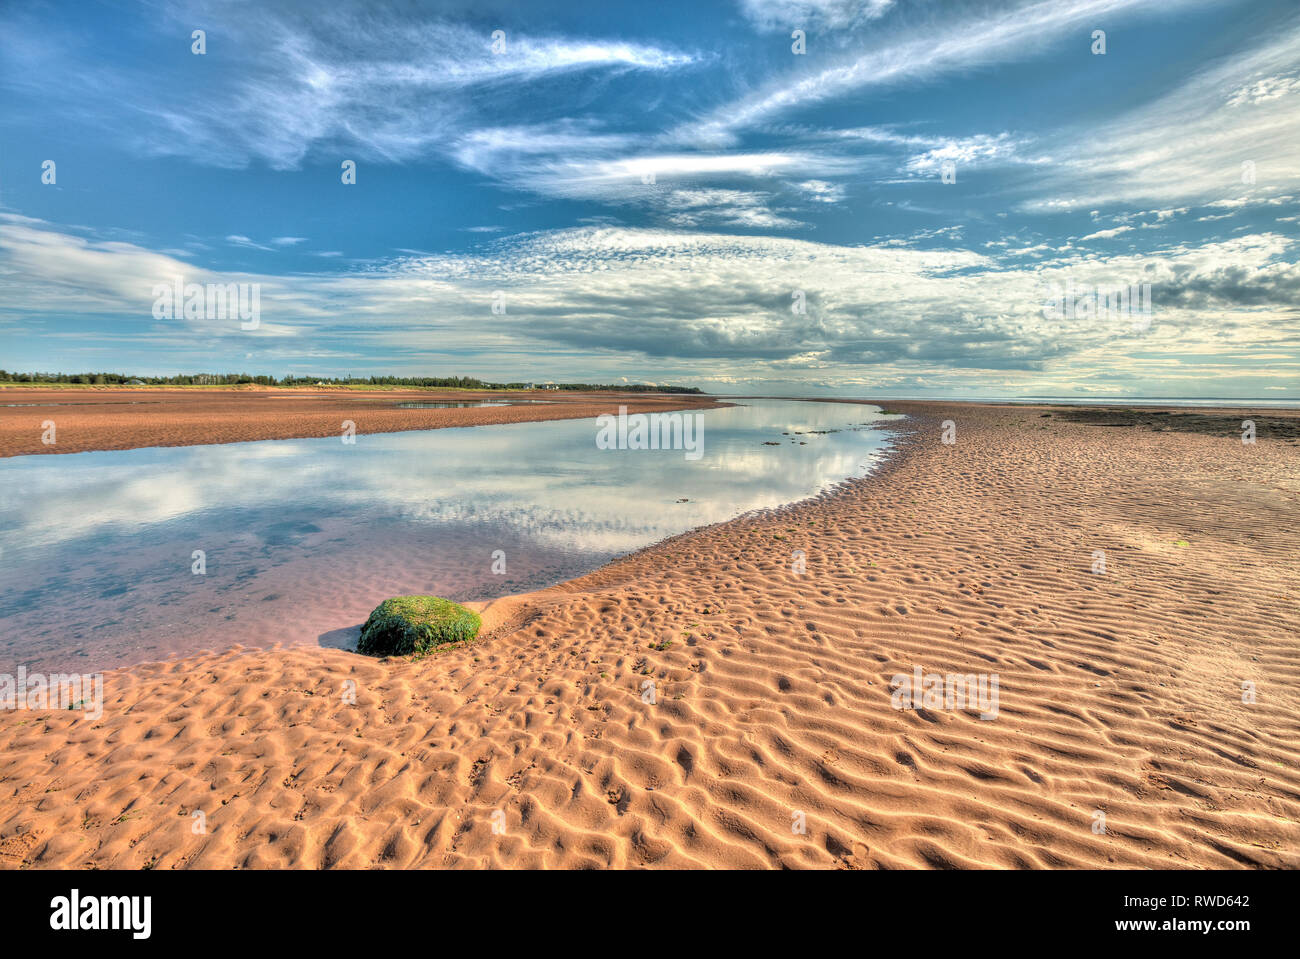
(663, 192)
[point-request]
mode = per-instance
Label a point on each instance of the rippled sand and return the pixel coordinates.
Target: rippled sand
(1119, 692)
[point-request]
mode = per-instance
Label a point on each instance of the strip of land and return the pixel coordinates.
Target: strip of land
(119, 419)
(1128, 587)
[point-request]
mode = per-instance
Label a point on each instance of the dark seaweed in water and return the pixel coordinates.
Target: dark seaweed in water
(1286, 428)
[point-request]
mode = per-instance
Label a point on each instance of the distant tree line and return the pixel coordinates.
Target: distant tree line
(236, 379)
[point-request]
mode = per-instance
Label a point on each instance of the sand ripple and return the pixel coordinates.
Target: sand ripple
(1119, 693)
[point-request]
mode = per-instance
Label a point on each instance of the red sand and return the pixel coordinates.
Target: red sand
(119, 419)
(1120, 693)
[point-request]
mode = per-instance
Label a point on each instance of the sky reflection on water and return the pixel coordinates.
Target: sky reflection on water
(303, 537)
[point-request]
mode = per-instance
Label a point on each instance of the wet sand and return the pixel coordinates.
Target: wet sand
(120, 419)
(1121, 739)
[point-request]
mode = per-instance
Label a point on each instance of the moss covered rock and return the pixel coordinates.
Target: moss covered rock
(416, 624)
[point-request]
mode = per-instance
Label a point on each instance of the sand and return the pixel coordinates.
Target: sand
(119, 419)
(1119, 692)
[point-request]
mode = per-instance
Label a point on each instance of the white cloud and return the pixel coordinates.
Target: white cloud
(1264, 89)
(1105, 234)
(962, 151)
(237, 240)
(704, 301)
(1195, 143)
(567, 160)
(737, 208)
(294, 80)
(916, 53)
(769, 15)
(820, 191)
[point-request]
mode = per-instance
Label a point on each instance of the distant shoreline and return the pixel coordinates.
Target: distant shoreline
(119, 418)
(1188, 402)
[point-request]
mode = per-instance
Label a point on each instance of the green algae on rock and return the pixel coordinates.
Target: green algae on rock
(416, 624)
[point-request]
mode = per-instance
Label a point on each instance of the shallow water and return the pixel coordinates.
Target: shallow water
(88, 403)
(302, 538)
(1204, 402)
(460, 405)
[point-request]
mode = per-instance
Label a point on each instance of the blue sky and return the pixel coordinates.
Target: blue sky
(651, 187)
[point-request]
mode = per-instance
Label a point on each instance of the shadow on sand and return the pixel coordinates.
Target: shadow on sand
(345, 638)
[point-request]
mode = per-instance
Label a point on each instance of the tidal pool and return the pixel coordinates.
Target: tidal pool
(124, 556)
